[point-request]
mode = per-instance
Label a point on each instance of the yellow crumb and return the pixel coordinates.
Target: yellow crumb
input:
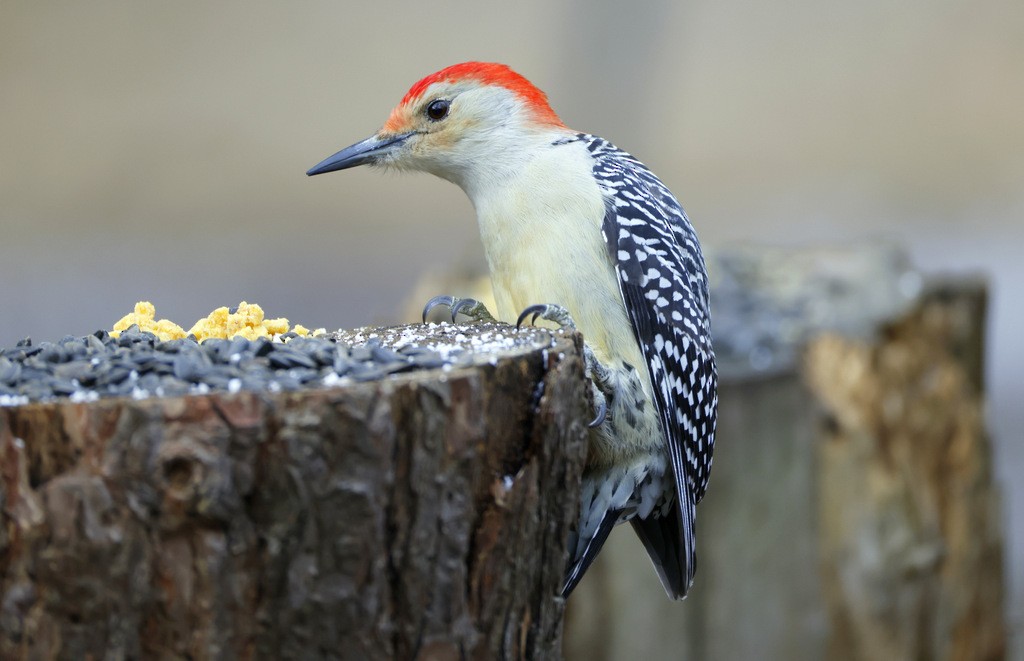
(276, 326)
(246, 321)
(144, 317)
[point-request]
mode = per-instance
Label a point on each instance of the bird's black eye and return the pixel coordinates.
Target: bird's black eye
(438, 109)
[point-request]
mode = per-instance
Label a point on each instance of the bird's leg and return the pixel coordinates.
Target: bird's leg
(601, 376)
(469, 307)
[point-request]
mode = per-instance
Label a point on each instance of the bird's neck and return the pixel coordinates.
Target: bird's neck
(490, 163)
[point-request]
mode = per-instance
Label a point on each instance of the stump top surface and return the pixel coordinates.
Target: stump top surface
(140, 366)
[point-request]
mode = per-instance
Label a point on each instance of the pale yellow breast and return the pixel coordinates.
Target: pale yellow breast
(542, 236)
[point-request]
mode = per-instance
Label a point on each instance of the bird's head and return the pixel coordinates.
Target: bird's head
(465, 121)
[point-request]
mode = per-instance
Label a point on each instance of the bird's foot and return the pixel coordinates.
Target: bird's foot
(600, 375)
(468, 307)
(602, 378)
(550, 312)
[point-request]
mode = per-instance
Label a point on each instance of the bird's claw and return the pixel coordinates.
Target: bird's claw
(599, 374)
(555, 313)
(602, 413)
(448, 301)
(469, 307)
(534, 310)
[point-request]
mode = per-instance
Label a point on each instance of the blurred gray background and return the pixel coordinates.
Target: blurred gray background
(157, 150)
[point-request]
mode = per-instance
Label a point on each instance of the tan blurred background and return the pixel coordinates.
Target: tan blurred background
(157, 150)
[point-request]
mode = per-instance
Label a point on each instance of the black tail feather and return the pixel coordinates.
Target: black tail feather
(662, 539)
(579, 565)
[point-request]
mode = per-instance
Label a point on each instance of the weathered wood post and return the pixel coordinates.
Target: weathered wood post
(910, 524)
(852, 511)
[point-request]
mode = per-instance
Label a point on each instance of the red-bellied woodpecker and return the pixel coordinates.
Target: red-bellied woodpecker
(581, 233)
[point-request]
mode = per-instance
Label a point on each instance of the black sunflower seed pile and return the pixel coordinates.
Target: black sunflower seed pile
(138, 364)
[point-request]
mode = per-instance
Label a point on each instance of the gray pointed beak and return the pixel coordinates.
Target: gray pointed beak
(367, 151)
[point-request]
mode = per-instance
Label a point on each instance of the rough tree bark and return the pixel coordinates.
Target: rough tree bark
(420, 517)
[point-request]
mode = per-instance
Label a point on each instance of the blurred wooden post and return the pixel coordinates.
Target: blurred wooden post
(910, 523)
(757, 594)
(423, 516)
(851, 512)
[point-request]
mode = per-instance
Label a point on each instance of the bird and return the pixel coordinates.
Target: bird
(581, 233)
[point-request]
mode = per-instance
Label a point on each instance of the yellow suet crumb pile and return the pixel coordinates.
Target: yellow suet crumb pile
(247, 320)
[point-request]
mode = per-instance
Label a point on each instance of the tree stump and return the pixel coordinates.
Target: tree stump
(423, 516)
(910, 523)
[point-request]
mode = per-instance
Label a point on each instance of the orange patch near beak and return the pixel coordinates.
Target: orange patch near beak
(398, 121)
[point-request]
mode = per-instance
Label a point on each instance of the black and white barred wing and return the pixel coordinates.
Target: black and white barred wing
(664, 286)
